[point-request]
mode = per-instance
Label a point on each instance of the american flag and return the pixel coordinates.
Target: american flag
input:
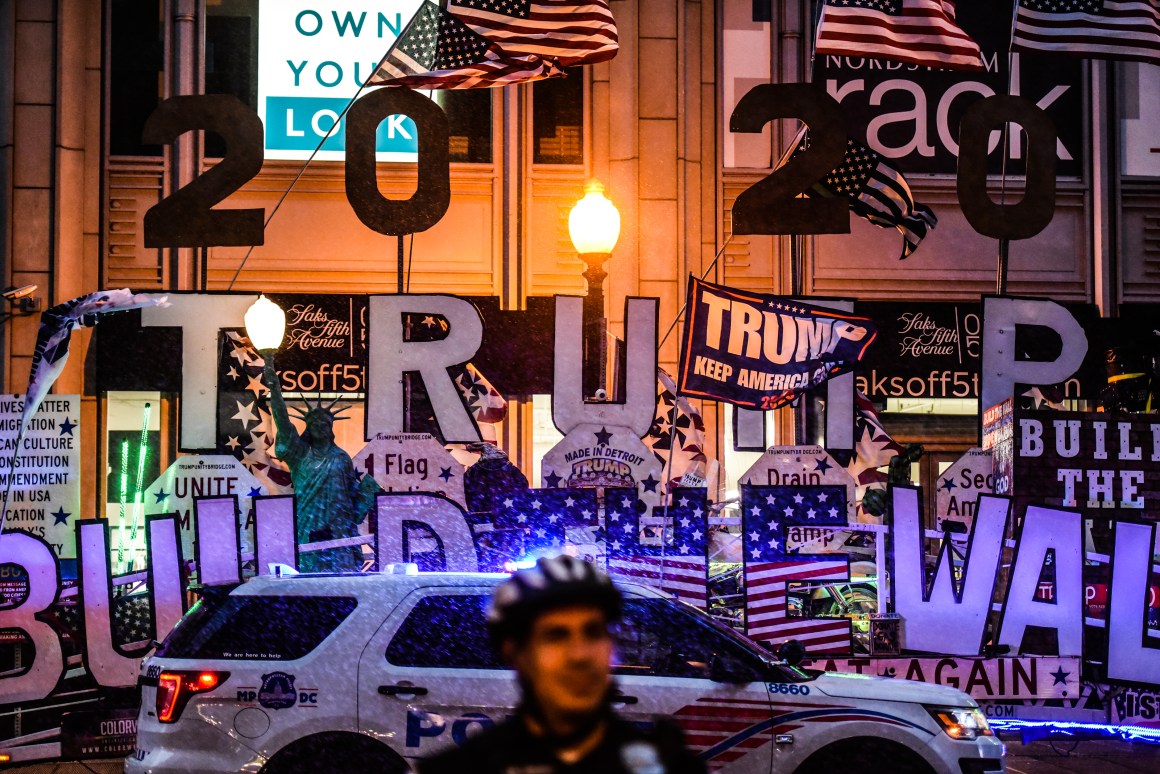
(564, 32)
(921, 32)
(245, 424)
(877, 192)
(543, 516)
(873, 448)
(766, 513)
(1100, 29)
(438, 51)
(677, 435)
(669, 554)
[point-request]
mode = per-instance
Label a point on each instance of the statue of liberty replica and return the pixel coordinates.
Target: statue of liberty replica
(330, 499)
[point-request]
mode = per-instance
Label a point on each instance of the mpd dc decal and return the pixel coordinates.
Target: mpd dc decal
(277, 691)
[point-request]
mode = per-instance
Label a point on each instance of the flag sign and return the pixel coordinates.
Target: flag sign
(412, 462)
(766, 514)
(313, 56)
(668, 554)
(761, 351)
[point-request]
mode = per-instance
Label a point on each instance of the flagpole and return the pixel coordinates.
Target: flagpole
(298, 177)
(1004, 243)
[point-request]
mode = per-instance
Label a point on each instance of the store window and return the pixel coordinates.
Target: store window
(558, 119)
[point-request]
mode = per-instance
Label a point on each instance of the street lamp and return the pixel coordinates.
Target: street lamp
(265, 324)
(594, 225)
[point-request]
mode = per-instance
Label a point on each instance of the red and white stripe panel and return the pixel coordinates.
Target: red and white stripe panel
(684, 577)
(765, 605)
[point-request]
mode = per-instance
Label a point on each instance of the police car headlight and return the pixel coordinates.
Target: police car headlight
(965, 723)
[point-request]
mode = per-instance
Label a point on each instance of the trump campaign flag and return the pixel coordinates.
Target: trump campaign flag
(762, 351)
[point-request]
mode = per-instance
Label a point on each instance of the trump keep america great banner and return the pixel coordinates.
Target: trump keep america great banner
(762, 351)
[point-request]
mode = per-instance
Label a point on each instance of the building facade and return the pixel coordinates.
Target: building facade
(82, 77)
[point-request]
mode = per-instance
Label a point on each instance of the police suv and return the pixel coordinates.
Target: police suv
(316, 673)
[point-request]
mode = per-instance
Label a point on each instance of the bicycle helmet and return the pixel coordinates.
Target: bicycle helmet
(554, 582)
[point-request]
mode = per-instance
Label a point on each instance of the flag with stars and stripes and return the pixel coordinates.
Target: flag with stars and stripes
(543, 517)
(1098, 29)
(873, 449)
(436, 50)
(922, 32)
(677, 436)
(877, 192)
(564, 32)
(767, 511)
(245, 425)
(667, 550)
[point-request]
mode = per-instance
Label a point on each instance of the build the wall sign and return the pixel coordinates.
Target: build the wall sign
(1106, 465)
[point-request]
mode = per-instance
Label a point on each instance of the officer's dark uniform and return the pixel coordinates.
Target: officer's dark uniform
(510, 748)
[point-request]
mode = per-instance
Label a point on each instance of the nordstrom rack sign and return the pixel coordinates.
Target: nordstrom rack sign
(312, 57)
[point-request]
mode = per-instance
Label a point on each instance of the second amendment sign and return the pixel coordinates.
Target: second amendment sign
(761, 351)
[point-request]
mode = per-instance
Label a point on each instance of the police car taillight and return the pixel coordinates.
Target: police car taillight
(174, 690)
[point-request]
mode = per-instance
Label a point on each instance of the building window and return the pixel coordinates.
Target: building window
(558, 119)
(136, 68)
(469, 116)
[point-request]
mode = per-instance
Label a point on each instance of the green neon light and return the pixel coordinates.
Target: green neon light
(124, 495)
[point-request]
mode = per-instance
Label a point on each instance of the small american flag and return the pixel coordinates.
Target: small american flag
(438, 51)
(766, 513)
(1100, 29)
(670, 554)
(565, 32)
(877, 192)
(921, 32)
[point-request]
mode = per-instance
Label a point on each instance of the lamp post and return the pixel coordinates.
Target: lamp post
(594, 225)
(265, 325)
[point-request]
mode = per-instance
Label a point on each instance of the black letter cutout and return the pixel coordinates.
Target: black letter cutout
(1007, 221)
(186, 217)
(771, 206)
(433, 195)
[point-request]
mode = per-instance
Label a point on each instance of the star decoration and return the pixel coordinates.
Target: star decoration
(255, 491)
(161, 496)
(946, 485)
(233, 442)
(650, 483)
(552, 480)
(245, 414)
(233, 373)
(822, 465)
(1059, 676)
(256, 386)
(61, 516)
(67, 426)
(446, 474)
(603, 436)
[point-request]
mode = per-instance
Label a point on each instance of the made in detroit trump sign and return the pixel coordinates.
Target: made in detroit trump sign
(761, 351)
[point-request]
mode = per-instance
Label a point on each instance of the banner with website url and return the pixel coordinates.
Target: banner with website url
(762, 351)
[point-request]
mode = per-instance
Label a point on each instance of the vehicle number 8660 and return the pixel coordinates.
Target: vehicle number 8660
(789, 688)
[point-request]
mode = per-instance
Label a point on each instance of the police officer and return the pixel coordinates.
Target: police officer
(551, 624)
